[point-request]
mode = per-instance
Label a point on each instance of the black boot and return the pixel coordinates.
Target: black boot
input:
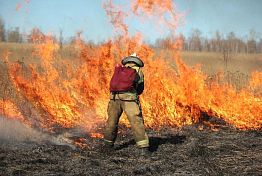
(145, 151)
(107, 147)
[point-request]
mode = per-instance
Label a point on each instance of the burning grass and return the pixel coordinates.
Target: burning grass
(66, 136)
(70, 93)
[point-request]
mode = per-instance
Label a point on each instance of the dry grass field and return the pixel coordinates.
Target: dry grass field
(211, 62)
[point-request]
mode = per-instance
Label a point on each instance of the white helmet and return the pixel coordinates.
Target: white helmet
(133, 58)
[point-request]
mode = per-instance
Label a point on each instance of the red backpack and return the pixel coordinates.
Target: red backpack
(123, 79)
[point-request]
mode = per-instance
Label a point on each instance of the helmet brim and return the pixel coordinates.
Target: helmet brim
(134, 59)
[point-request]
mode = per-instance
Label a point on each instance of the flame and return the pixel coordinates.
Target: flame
(164, 11)
(255, 82)
(18, 6)
(96, 135)
(81, 143)
(175, 98)
(8, 108)
(72, 93)
(117, 17)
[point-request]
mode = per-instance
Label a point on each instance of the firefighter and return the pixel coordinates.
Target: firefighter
(128, 102)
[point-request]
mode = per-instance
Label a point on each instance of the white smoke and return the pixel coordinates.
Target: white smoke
(12, 130)
(15, 131)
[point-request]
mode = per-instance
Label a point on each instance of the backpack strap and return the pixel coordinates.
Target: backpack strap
(114, 95)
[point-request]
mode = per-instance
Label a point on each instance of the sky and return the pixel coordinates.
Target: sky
(70, 16)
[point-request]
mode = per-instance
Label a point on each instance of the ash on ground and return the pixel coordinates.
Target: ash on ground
(186, 151)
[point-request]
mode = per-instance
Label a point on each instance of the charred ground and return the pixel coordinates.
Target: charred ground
(186, 151)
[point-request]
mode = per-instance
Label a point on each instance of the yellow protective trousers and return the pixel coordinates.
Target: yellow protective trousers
(134, 114)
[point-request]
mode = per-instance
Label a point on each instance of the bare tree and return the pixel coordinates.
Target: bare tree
(228, 46)
(61, 39)
(2, 31)
(251, 42)
(259, 46)
(218, 42)
(182, 38)
(195, 40)
(232, 42)
(14, 35)
(166, 42)
(206, 45)
(35, 36)
(226, 51)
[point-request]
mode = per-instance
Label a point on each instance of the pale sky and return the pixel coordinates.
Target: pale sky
(239, 16)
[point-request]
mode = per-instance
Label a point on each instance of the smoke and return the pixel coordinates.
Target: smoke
(12, 130)
(15, 131)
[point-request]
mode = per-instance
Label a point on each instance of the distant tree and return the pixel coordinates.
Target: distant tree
(259, 46)
(251, 46)
(158, 43)
(206, 45)
(228, 46)
(14, 35)
(218, 42)
(182, 38)
(232, 42)
(35, 36)
(61, 38)
(77, 39)
(251, 42)
(241, 45)
(226, 51)
(195, 40)
(166, 42)
(2, 30)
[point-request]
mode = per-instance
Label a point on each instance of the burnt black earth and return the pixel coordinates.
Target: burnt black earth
(184, 151)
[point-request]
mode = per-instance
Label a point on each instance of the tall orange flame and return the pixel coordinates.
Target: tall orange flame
(75, 92)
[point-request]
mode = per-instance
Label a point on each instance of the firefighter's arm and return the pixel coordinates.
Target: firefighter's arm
(140, 83)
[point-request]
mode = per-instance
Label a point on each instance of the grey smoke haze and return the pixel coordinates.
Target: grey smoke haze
(15, 131)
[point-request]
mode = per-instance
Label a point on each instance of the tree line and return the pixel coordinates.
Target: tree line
(229, 43)
(14, 35)
(10, 35)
